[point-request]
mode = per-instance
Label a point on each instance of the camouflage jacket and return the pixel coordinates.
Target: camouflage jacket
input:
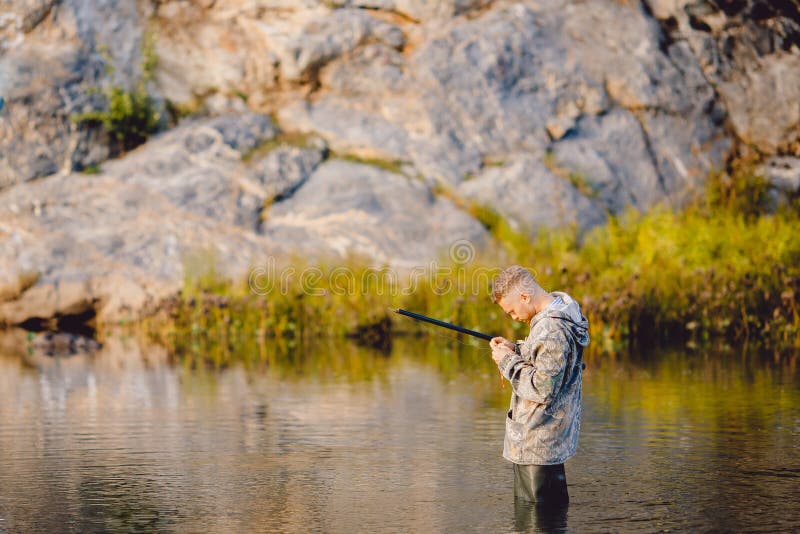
(545, 374)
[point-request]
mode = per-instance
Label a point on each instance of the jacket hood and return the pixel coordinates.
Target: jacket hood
(570, 313)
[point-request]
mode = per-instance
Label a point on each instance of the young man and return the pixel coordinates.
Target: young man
(545, 375)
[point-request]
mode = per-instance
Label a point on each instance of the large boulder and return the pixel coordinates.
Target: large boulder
(114, 245)
(117, 243)
(525, 78)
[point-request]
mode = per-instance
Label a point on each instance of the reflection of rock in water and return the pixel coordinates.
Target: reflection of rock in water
(34, 345)
(65, 350)
(375, 335)
(63, 344)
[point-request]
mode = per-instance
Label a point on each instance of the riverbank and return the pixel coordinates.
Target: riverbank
(724, 271)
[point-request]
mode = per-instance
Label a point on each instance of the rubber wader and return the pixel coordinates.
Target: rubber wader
(542, 484)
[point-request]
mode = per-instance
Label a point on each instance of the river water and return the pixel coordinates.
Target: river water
(338, 438)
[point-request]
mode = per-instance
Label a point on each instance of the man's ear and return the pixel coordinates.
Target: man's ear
(524, 297)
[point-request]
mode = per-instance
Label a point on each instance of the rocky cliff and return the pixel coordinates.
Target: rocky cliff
(323, 127)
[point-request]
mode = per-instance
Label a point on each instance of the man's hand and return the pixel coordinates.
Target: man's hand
(500, 347)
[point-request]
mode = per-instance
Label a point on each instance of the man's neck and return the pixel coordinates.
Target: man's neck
(541, 301)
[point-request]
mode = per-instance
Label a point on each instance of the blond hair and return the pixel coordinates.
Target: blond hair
(511, 279)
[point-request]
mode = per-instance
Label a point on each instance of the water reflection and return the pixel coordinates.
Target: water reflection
(529, 517)
(340, 438)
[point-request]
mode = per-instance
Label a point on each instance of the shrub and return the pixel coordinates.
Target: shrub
(131, 116)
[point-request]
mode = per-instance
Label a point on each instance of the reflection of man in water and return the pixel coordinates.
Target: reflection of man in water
(545, 374)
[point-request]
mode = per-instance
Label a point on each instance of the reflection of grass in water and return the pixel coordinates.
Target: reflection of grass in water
(675, 390)
(330, 359)
(341, 358)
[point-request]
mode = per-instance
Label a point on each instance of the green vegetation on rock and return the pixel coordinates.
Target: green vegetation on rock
(131, 115)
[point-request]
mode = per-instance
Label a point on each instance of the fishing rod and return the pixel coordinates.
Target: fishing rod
(461, 329)
(437, 322)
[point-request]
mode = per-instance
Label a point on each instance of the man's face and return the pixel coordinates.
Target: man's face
(517, 305)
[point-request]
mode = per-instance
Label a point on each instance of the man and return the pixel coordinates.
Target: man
(545, 375)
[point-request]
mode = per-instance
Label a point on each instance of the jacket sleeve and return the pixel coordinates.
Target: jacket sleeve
(537, 372)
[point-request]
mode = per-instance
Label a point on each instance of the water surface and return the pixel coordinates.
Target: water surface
(339, 438)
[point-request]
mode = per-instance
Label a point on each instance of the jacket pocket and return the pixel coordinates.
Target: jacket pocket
(514, 447)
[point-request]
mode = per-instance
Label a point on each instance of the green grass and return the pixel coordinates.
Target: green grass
(721, 272)
(295, 139)
(391, 165)
(91, 169)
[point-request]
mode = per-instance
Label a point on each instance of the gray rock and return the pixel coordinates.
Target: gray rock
(683, 153)
(48, 75)
(18, 17)
(328, 37)
(18, 269)
(198, 167)
(273, 178)
(518, 78)
(201, 53)
(119, 242)
(631, 100)
(347, 128)
(763, 103)
(244, 132)
(349, 208)
(612, 155)
(374, 70)
(285, 169)
(526, 192)
(513, 78)
(96, 244)
(116, 27)
(37, 137)
(484, 90)
(750, 52)
(783, 176)
(662, 85)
